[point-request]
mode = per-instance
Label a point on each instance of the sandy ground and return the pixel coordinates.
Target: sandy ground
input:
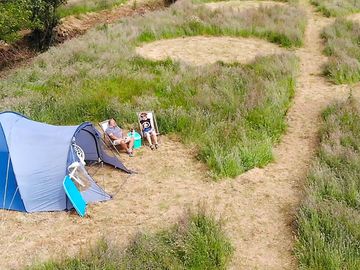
(201, 50)
(258, 207)
(354, 17)
(241, 5)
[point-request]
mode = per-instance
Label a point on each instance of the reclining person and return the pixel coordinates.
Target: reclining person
(116, 135)
(148, 131)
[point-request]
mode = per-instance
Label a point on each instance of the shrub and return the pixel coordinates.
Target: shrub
(15, 16)
(36, 15)
(44, 18)
(329, 219)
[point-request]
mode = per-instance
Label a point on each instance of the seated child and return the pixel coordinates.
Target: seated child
(148, 131)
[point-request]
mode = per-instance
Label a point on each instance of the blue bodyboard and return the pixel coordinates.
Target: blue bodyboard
(74, 196)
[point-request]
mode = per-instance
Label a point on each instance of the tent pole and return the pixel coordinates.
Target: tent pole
(6, 181)
(12, 199)
(102, 169)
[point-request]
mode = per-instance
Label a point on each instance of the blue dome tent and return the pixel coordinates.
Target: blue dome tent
(34, 159)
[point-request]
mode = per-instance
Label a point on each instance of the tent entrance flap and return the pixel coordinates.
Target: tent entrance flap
(89, 139)
(9, 191)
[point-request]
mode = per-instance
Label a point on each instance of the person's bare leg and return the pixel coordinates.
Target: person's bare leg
(154, 137)
(123, 146)
(131, 143)
(148, 138)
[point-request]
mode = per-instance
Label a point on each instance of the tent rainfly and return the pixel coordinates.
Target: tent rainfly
(34, 158)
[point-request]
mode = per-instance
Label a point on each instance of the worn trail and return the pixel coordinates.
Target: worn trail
(259, 206)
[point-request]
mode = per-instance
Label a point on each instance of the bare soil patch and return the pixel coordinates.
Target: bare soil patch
(241, 5)
(206, 50)
(354, 17)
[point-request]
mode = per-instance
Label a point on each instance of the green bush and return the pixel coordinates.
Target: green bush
(197, 241)
(36, 15)
(329, 219)
(15, 16)
(342, 46)
(44, 18)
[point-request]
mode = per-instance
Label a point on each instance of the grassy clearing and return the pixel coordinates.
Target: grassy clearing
(77, 7)
(197, 241)
(335, 8)
(233, 113)
(342, 45)
(329, 220)
(282, 25)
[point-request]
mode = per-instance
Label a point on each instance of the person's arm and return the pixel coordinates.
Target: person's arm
(112, 136)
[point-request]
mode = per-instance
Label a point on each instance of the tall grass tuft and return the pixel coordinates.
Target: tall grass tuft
(284, 25)
(197, 241)
(334, 8)
(342, 46)
(329, 219)
(231, 113)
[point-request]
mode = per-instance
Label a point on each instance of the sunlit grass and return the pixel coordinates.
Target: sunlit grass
(84, 6)
(342, 45)
(231, 113)
(329, 219)
(334, 8)
(197, 241)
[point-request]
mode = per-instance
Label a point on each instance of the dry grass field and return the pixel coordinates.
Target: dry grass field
(259, 206)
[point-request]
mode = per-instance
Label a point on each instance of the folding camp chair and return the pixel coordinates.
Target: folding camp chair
(104, 125)
(151, 116)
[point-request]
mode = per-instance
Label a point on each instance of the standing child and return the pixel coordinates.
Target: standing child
(148, 131)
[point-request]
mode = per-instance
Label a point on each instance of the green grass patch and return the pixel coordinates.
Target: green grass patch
(342, 45)
(335, 8)
(264, 22)
(77, 7)
(329, 219)
(197, 241)
(232, 113)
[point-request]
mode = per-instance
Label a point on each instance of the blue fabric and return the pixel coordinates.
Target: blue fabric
(40, 154)
(9, 192)
(74, 196)
(95, 151)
